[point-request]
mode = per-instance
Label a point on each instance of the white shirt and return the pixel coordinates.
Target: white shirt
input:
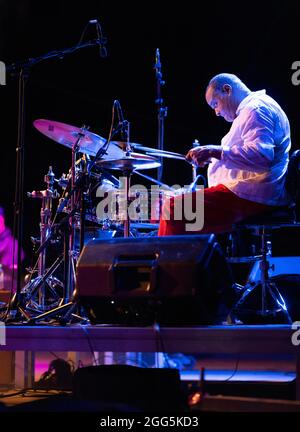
(255, 152)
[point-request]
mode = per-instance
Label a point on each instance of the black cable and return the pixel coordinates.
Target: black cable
(102, 150)
(17, 393)
(90, 344)
(235, 369)
(160, 342)
(54, 355)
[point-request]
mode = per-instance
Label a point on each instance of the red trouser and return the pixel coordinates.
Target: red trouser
(222, 208)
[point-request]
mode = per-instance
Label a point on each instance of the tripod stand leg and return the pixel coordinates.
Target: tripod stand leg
(64, 314)
(53, 312)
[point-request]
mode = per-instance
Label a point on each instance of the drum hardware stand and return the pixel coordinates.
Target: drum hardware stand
(64, 312)
(161, 110)
(70, 276)
(127, 172)
(83, 199)
(21, 69)
(196, 176)
(41, 283)
(271, 299)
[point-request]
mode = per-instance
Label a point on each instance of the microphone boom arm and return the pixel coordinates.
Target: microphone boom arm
(52, 54)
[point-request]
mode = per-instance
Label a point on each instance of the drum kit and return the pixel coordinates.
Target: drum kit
(93, 159)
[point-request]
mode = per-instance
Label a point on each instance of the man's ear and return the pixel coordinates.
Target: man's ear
(227, 89)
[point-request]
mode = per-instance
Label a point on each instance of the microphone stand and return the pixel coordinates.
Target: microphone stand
(161, 110)
(22, 69)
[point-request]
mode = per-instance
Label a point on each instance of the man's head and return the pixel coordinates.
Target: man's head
(2, 220)
(224, 93)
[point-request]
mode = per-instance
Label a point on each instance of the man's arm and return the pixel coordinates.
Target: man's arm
(255, 150)
(202, 155)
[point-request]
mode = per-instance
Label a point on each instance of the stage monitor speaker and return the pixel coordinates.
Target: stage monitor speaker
(174, 280)
(151, 389)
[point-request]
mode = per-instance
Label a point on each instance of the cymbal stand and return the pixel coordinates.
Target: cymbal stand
(65, 311)
(47, 197)
(27, 302)
(196, 176)
(70, 264)
(127, 174)
(21, 70)
(161, 110)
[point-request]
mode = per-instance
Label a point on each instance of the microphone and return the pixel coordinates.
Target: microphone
(119, 112)
(157, 67)
(157, 60)
(100, 38)
(123, 124)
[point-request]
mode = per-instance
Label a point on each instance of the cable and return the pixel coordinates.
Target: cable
(160, 340)
(102, 150)
(90, 344)
(235, 369)
(17, 393)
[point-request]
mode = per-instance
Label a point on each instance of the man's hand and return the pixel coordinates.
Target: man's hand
(201, 156)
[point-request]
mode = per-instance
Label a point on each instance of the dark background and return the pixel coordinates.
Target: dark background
(258, 41)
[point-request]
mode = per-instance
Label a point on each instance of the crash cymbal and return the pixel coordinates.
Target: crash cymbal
(67, 135)
(130, 163)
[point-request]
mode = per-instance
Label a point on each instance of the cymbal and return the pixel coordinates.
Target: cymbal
(130, 163)
(67, 135)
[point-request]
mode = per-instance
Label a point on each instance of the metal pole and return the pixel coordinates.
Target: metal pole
(161, 110)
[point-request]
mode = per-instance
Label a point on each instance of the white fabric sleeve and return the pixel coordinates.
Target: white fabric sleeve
(255, 149)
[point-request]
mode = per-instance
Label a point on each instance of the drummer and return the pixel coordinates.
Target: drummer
(246, 173)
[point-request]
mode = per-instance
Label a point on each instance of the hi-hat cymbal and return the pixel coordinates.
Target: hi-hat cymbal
(67, 135)
(130, 163)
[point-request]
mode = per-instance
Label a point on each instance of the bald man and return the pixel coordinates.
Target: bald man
(246, 173)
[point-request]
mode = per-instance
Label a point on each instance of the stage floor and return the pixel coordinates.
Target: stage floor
(234, 355)
(222, 339)
(252, 344)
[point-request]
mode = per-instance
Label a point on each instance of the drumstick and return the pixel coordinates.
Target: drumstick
(170, 155)
(165, 186)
